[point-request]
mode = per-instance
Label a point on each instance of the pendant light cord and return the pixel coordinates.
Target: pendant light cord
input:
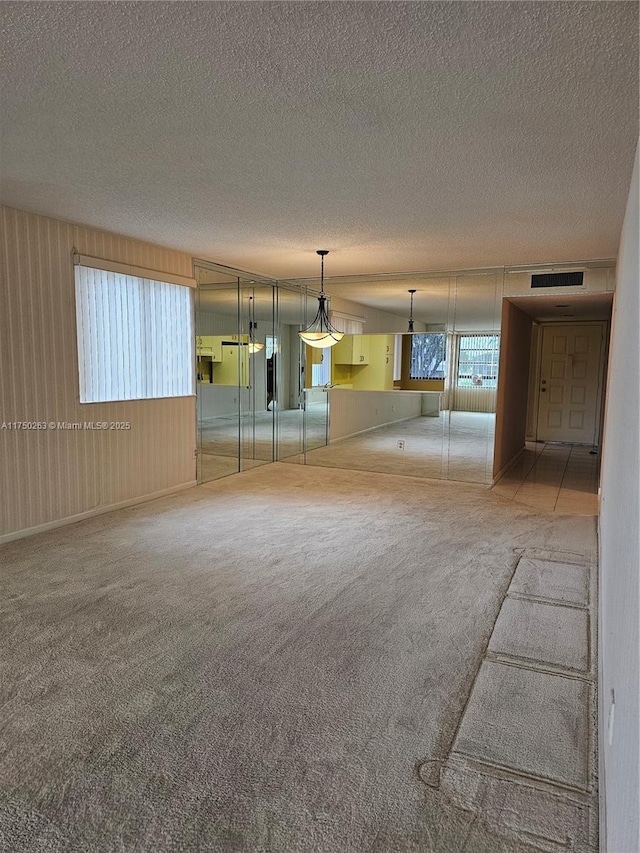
(322, 253)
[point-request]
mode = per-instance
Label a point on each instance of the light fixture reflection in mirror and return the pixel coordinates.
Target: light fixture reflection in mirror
(410, 328)
(254, 345)
(320, 333)
(396, 424)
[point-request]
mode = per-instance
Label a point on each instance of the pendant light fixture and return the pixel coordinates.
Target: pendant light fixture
(320, 333)
(410, 329)
(254, 345)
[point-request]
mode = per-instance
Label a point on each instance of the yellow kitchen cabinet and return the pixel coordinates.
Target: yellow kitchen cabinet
(352, 349)
(233, 367)
(377, 375)
(209, 345)
(315, 355)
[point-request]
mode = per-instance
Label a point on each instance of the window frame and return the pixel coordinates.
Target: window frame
(488, 379)
(443, 361)
(124, 317)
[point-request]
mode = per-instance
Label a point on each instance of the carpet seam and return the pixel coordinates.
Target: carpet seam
(481, 660)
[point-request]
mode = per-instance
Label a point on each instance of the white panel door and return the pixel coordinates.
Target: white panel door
(569, 382)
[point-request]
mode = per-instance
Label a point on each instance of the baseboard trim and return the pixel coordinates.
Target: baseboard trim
(508, 464)
(376, 426)
(90, 513)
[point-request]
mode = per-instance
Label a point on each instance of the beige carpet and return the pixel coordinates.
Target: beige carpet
(255, 436)
(454, 446)
(265, 663)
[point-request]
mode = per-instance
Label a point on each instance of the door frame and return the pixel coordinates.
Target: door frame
(519, 375)
(602, 366)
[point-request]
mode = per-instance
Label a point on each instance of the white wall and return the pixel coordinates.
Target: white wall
(620, 557)
(48, 476)
(376, 322)
(351, 412)
(220, 401)
(285, 367)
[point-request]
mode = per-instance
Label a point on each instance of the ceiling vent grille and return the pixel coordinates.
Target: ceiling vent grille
(557, 279)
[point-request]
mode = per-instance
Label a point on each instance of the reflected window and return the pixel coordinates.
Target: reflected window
(428, 356)
(397, 359)
(271, 344)
(478, 361)
(321, 373)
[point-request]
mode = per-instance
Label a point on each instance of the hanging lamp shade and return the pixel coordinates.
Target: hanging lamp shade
(254, 345)
(320, 333)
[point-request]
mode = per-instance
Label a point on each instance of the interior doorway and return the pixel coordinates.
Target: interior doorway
(570, 382)
(541, 348)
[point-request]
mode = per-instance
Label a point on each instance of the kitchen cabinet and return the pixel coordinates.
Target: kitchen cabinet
(209, 346)
(352, 349)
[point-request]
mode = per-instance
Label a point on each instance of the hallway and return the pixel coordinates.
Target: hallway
(561, 478)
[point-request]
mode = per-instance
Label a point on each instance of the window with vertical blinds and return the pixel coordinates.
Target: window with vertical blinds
(135, 337)
(478, 361)
(348, 324)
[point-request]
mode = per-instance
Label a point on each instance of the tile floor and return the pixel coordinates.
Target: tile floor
(560, 478)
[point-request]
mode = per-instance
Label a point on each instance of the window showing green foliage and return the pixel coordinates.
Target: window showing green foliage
(428, 356)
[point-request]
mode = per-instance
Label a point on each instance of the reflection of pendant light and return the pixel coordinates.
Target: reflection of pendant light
(254, 345)
(320, 333)
(410, 329)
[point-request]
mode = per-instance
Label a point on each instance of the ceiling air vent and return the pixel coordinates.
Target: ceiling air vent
(557, 279)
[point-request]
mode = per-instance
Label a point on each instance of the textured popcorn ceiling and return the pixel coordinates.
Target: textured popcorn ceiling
(398, 135)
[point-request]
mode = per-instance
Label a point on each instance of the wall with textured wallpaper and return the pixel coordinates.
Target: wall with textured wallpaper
(47, 476)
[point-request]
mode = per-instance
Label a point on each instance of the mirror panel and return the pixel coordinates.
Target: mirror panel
(423, 404)
(254, 404)
(218, 375)
(259, 340)
(420, 405)
(474, 341)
